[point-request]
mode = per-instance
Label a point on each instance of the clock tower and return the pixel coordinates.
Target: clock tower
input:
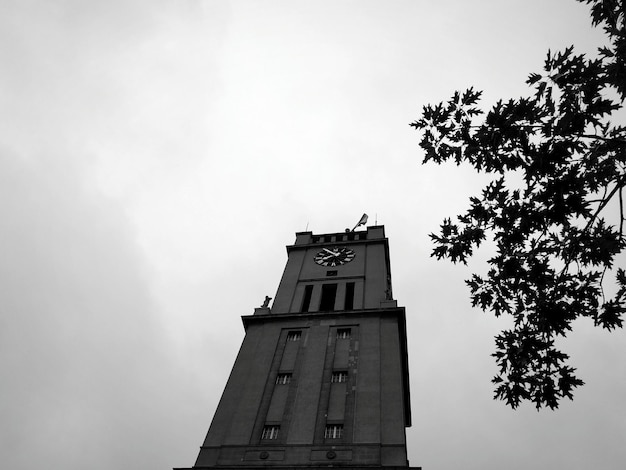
(321, 378)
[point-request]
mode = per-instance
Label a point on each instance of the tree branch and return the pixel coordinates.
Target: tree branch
(618, 187)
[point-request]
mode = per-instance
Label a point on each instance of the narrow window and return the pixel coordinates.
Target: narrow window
(283, 379)
(343, 333)
(306, 302)
(333, 431)
(349, 303)
(339, 377)
(294, 336)
(329, 292)
(270, 432)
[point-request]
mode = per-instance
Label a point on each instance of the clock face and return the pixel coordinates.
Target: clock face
(334, 256)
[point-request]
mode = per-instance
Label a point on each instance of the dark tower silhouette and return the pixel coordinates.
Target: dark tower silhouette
(321, 378)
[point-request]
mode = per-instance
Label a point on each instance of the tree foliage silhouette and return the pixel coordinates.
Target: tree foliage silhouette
(554, 209)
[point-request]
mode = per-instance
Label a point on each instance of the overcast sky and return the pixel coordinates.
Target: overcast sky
(157, 156)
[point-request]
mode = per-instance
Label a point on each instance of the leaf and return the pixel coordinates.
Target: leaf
(552, 209)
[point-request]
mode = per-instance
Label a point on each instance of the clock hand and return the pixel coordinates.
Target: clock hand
(328, 251)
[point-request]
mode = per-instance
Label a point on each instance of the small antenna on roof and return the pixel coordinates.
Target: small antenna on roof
(307, 226)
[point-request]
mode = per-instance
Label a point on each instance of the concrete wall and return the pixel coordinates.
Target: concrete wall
(370, 405)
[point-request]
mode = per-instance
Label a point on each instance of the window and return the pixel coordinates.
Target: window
(339, 377)
(343, 333)
(283, 379)
(294, 336)
(349, 303)
(306, 302)
(333, 431)
(329, 292)
(270, 432)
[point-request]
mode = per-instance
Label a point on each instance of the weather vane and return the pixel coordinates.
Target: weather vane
(362, 221)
